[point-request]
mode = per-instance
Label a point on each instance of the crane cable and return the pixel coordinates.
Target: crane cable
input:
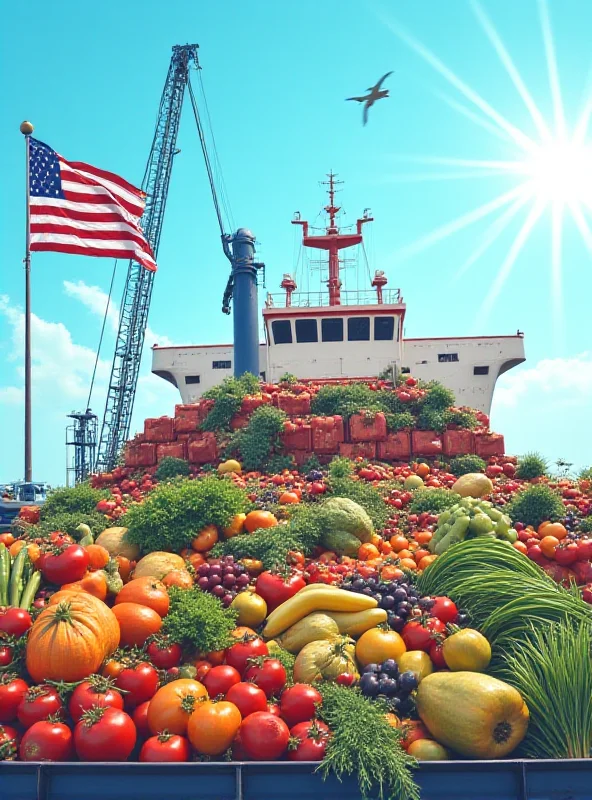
(92, 382)
(206, 156)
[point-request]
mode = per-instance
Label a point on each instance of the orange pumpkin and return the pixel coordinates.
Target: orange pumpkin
(146, 591)
(213, 726)
(173, 704)
(259, 519)
(71, 638)
(205, 539)
(98, 555)
(289, 498)
(178, 577)
(136, 623)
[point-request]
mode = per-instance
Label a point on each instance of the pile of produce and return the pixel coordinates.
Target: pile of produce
(361, 614)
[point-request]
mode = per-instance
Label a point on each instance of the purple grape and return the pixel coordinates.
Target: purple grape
(215, 562)
(203, 570)
(228, 581)
(215, 569)
(227, 600)
(242, 581)
(204, 583)
(369, 684)
(358, 584)
(229, 570)
(214, 580)
(400, 594)
(218, 591)
(387, 602)
(397, 624)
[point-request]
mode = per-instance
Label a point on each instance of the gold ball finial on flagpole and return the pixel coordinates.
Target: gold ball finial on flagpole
(26, 128)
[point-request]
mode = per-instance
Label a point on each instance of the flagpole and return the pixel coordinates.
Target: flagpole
(27, 129)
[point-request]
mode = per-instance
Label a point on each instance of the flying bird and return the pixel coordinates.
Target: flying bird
(376, 93)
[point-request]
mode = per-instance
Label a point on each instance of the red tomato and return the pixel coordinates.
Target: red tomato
(264, 736)
(275, 589)
(140, 683)
(9, 742)
(273, 708)
(47, 741)
(68, 566)
(95, 691)
(566, 554)
(299, 703)
(6, 655)
(268, 674)
(218, 680)
(15, 621)
(12, 691)
(435, 653)
(164, 656)
(166, 747)
(105, 734)
(202, 667)
(140, 718)
(312, 738)
(346, 679)
(585, 549)
(419, 635)
(38, 704)
(248, 698)
(444, 610)
(248, 647)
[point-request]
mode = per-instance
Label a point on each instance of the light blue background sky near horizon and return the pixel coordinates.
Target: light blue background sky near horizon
(276, 75)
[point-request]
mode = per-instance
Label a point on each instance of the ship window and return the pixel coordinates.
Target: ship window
(332, 329)
(262, 376)
(447, 357)
(384, 329)
(221, 364)
(192, 379)
(282, 331)
(358, 329)
(306, 330)
(480, 370)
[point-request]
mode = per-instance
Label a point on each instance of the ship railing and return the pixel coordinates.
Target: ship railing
(366, 297)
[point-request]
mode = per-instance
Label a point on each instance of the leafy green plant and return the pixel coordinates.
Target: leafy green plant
(311, 464)
(585, 525)
(432, 501)
(67, 522)
(535, 505)
(399, 421)
(79, 499)
(278, 463)
(365, 495)
(438, 397)
(462, 465)
(288, 378)
(228, 397)
(531, 465)
(171, 467)
(174, 513)
(340, 467)
(431, 419)
(586, 474)
(259, 440)
(365, 745)
(198, 620)
(345, 400)
(462, 419)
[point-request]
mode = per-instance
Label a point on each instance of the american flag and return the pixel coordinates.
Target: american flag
(76, 208)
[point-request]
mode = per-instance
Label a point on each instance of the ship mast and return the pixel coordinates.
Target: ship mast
(332, 240)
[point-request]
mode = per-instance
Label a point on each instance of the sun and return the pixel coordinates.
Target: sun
(551, 168)
(560, 172)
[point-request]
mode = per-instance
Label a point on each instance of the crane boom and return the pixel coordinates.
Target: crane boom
(139, 281)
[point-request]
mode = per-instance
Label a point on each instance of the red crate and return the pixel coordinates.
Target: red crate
(327, 434)
(159, 429)
(358, 449)
(397, 447)
(252, 402)
(489, 444)
(172, 450)
(140, 455)
(426, 443)
(367, 427)
(302, 456)
(299, 439)
(239, 421)
(202, 448)
(187, 418)
(459, 442)
(295, 405)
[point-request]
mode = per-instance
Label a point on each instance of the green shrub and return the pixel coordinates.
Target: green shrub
(345, 400)
(340, 467)
(586, 474)
(535, 505)
(258, 441)
(278, 463)
(462, 465)
(67, 522)
(430, 419)
(313, 463)
(585, 525)
(432, 501)
(438, 397)
(462, 419)
(228, 397)
(532, 465)
(174, 513)
(198, 620)
(399, 420)
(171, 467)
(80, 499)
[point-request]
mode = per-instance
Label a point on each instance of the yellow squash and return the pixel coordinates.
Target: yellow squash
(312, 628)
(325, 661)
(473, 714)
(307, 601)
(355, 623)
(466, 651)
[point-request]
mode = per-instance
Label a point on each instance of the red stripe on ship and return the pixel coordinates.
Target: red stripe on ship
(92, 251)
(106, 235)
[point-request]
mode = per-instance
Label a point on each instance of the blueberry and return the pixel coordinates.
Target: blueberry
(387, 686)
(407, 681)
(373, 669)
(369, 684)
(387, 602)
(400, 594)
(359, 584)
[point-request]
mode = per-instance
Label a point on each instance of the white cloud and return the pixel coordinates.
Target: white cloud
(567, 381)
(12, 395)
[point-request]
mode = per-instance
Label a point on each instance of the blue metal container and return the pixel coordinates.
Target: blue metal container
(445, 780)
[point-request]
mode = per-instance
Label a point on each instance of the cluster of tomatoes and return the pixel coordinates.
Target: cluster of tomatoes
(126, 488)
(562, 554)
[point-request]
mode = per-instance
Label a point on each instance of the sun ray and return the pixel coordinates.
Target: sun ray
(511, 69)
(483, 122)
(552, 69)
(516, 167)
(583, 228)
(581, 128)
(492, 233)
(517, 135)
(420, 177)
(444, 231)
(513, 253)
(556, 285)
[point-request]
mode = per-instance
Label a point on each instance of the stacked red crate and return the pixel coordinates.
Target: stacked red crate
(297, 437)
(171, 450)
(396, 447)
(160, 429)
(426, 443)
(295, 405)
(327, 434)
(252, 402)
(141, 454)
(202, 448)
(459, 442)
(367, 427)
(489, 444)
(357, 449)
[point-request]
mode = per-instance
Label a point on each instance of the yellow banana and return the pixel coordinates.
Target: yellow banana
(358, 622)
(322, 598)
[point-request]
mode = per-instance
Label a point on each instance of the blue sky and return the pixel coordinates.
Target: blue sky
(276, 75)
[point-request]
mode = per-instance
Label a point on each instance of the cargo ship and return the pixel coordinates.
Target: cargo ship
(341, 333)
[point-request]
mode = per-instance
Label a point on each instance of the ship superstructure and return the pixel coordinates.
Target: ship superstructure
(345, 334)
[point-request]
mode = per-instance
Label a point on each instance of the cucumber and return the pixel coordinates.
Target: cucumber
(16, 577)
(30, 590)
(4, 574)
